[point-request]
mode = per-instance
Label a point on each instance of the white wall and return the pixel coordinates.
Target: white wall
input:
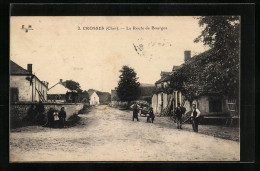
(159, 107)
(154, 103)
(23, 85)
(94, 99)
(25, 89)
(40, 87)
(165, 100)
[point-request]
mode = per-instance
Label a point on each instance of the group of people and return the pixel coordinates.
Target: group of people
(136, 110)
(179, 111)
(56, 118)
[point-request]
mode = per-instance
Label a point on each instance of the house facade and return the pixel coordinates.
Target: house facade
(26, 86)
(210, 103)
(94, 98)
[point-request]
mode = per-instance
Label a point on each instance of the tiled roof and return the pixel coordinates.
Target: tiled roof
(90, 92)
(165, 78)
(62, 83)
(175, 68)
(15, 69)
(146, 90)
(59, 88)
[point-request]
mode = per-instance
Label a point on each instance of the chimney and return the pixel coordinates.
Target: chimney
(29, 68)
(187, 55)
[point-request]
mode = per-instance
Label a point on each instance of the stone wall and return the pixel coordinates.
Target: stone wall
(18, 110)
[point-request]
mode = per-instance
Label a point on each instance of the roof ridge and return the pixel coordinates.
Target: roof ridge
(12, 68)
(57, 84)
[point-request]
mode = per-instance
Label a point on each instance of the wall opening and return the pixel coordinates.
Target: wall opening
(14, 95)
(215, 105)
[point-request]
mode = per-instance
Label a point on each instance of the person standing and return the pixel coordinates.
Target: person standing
(56, 118)
(195, 116)
(151, 115)
(135, 111)
(50, 117)
(62, 117)
(178, 114)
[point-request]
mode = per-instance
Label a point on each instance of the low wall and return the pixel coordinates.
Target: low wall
(118, 104)
(19, 110)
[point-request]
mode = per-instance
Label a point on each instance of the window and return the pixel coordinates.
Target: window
(14, 95)
(215, 105)
(231, 103)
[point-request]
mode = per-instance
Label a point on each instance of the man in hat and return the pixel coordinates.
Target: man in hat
(151, 115)
(135, 111)
(179, 111)
(62, 117)
(195, 113)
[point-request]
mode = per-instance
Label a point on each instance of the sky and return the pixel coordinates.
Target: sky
(65, 47)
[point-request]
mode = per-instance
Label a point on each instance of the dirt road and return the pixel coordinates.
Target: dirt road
(108, 134)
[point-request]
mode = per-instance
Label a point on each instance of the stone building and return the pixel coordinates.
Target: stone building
(210, 103)
(25, 86)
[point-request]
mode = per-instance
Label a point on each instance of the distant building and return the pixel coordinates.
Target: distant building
(146, 93)
(59, 93)
(114, 96)
(94, 98)
(104, 97)
(26, 86)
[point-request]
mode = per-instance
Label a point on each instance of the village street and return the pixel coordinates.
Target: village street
(109, 134)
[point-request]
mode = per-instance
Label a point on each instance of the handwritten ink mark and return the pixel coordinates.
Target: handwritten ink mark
(27, 28)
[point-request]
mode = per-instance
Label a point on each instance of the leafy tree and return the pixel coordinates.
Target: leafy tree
(216, 70)
(128, 86)
(222, 34)
(72, 85)
(83, 97)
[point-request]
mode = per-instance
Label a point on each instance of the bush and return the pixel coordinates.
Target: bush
(85, 109)
(73, 120)
(35, 115)
(40, 119)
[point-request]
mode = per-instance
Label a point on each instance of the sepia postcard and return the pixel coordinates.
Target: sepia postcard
(124, 88)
